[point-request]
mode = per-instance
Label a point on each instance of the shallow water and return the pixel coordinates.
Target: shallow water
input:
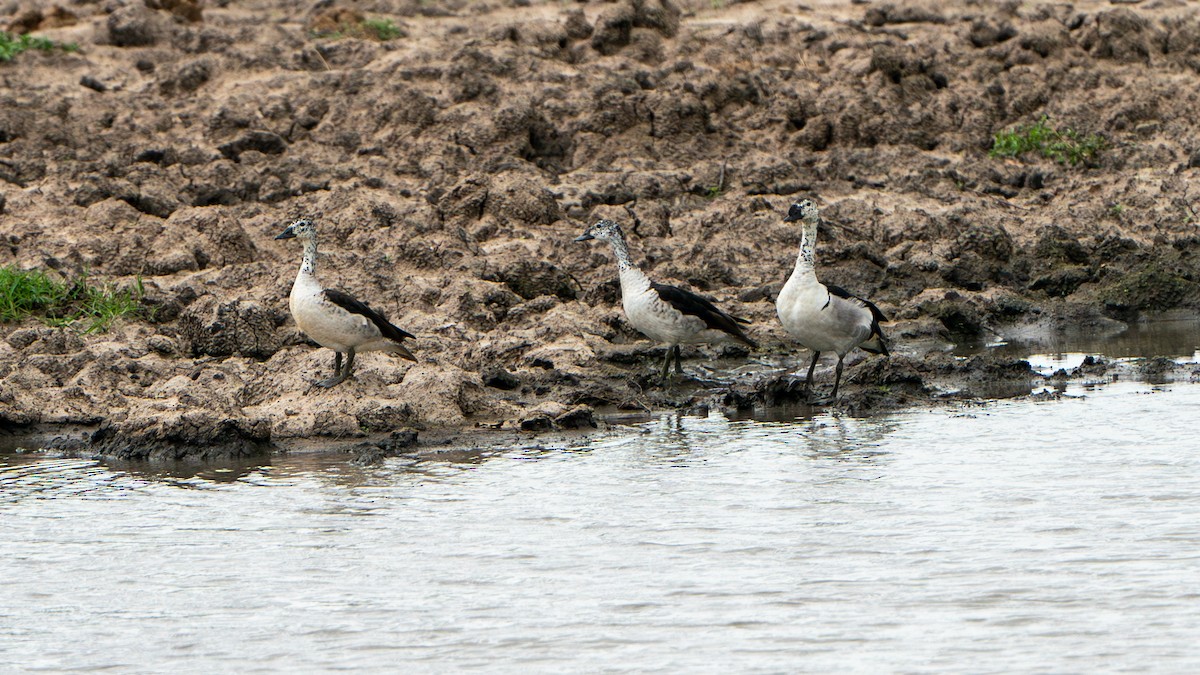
(1177, 338)
(1018, 536)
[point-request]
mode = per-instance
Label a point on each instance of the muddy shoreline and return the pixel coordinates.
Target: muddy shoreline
(936, 380)
(450, 166)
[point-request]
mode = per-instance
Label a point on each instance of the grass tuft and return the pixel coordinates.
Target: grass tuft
(1065, 147)
(80, 304)
(11, 45)
(25, 292)
(380, 30)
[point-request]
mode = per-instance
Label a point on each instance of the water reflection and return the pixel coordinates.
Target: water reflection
(1172, 338)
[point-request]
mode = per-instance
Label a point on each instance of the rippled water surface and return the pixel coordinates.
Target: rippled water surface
(1058, 536)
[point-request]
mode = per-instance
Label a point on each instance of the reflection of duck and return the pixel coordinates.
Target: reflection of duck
(857, 441)
(333, 318)
(824, 318)
(668, 314)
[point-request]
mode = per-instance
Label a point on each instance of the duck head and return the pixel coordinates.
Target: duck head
(603, 230)
(802, 210)
(303, 228)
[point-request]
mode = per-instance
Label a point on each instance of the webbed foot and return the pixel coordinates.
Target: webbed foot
(335, 380)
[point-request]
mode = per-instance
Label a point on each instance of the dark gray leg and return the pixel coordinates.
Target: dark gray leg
(811, 367)
(678, 363)
(339, 375)
(838, 378)
(666, 366)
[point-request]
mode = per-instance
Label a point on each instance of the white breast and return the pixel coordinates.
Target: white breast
(820, 321)
(324, 322)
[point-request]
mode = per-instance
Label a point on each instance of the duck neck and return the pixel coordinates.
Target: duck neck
(806, 261)
(309, 264)
(632, 278)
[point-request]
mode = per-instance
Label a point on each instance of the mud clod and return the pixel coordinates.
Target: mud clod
(499, 378)
(198, 434)
(259, 141)
(135, 26)
(211, 328)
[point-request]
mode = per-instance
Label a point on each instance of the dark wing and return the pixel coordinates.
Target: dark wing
(693, 305)
(876, 343)
(876, 314)
(350, 304)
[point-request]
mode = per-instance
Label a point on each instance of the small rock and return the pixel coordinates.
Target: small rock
(613, 29)
(261, 141)
(189, 10)
(189, 77)
(537, 422)
(23, 337)
(133, 26)
(576, 24)
(764, 292)
(92, 83)
(576, 418)
(163, 345)
(499, 378)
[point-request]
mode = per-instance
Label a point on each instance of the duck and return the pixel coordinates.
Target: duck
(824, 317)
(335, 319)
(668, 314)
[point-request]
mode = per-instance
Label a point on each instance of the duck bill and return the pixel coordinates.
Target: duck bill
(584, 237)
(286, 234)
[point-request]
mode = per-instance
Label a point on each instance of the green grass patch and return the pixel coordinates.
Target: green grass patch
(1065, 146)
(81, 304)
(380, 30)
(11, 45)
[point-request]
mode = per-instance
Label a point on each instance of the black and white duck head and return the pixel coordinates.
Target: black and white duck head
(303, 229)
(603, 230)
(803, 210)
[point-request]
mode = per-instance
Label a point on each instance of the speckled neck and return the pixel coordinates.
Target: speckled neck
(309, 264)
(806, 262)
(632, 278)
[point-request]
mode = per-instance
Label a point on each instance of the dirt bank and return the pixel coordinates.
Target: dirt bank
(450, 167)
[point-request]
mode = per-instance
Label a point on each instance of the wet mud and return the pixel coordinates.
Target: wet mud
(449, 168)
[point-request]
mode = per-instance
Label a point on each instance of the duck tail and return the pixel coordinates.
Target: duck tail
(876, 343)
(400, 350)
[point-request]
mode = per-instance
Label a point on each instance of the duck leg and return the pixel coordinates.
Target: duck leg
(811, 367)
(678, 363)
(339, 375)
(337, 370)
(666, 366)
(837, 380)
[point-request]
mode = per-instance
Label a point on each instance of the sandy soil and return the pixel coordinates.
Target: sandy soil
(449, 170)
